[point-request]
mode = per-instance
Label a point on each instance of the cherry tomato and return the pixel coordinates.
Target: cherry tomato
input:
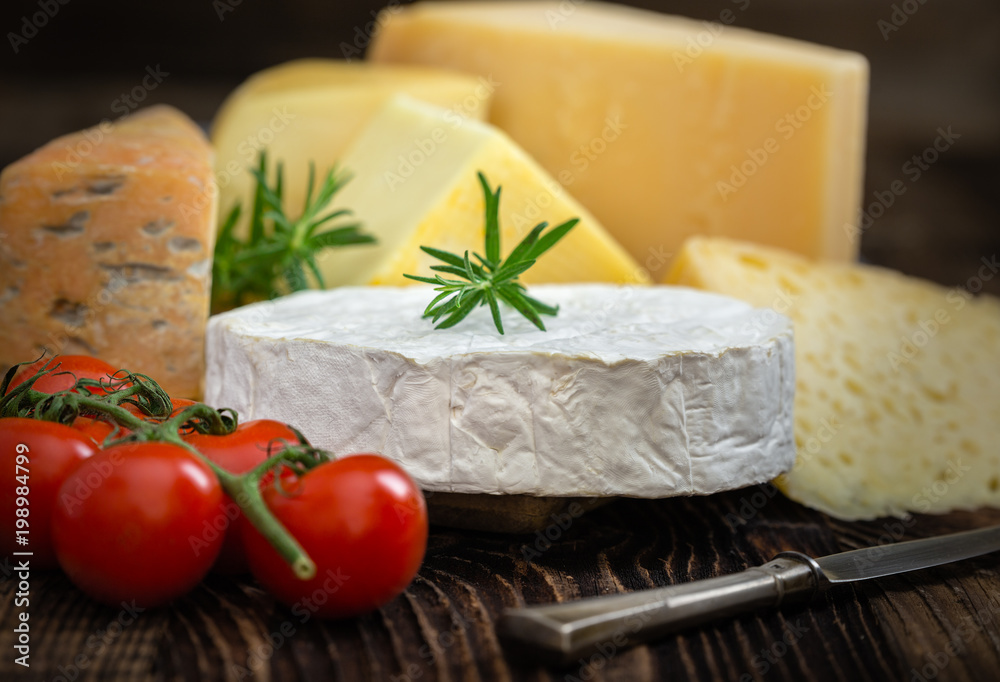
(36, 457)
(98, 429)
(363, 522)
(238, 453)
(77, 366)
(134, 522)
(179, 405)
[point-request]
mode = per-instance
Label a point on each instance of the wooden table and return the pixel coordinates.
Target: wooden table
(937, 624)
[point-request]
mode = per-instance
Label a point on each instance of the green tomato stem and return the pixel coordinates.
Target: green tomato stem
(243, 490)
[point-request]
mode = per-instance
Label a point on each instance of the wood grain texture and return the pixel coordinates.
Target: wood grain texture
(938, 624)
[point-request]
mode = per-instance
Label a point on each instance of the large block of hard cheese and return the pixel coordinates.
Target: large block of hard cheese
(663, 127)
(898, 393)
(310, 109)
(106, 241)
(638, 391)
(416, 183)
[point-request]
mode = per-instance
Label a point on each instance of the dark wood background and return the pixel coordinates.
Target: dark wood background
(938, 624)
(940, 69)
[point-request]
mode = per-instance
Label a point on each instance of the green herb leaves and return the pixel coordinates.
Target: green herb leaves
(278, 251)
(490, 280)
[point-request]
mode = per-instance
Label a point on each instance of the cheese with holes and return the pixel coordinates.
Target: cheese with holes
(637, 391)
(898, 401)
(106, 241)
(416, 184)
(309, 110)
(663, 127)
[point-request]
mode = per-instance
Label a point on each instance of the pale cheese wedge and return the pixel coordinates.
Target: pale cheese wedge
(663, 127)
(897, 405)
(309, 110)
(416, 184)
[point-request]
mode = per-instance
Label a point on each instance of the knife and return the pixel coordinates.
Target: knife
(562, 633)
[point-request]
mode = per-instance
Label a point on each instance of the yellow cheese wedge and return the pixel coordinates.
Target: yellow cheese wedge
(308, 110)
(106, 239)
(663, 127)
(415, 184)
(897, 405)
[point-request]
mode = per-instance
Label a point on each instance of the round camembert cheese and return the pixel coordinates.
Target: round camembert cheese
(634, 391)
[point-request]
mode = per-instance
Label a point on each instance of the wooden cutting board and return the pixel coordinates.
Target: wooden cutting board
(938, 624)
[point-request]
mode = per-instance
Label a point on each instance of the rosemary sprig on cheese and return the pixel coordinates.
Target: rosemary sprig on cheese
(491, 280)
(274, 258)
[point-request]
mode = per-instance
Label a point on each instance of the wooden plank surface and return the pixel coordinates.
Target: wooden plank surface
(938, 624)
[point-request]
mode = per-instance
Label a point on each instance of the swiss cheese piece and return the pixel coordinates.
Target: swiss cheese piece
(663, 127)
(637, 391)
(898, 399)
(310, 109)
(416, 184)
(106, 241)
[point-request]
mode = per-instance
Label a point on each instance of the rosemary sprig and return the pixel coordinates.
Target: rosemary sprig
(278, 251)
(491, 280)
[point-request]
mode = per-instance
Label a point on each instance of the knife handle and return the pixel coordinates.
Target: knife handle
(566, 631)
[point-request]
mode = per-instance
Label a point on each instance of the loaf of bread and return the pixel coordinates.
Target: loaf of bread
(897, 404)
(106, 239)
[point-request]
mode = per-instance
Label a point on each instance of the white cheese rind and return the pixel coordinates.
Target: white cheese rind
(642, 392)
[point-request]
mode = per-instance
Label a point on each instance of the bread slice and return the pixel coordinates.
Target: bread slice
(898, 379)
(106, 240)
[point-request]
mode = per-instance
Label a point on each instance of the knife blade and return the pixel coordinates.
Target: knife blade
(563, 632)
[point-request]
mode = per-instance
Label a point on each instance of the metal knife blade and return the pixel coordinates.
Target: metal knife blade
(900, 557)
(565, 631)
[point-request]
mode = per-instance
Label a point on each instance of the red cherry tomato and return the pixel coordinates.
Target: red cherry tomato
(77, 366)
(363, 522)
(180, 404)
(133, 522)
(36, 457)
(238, 453)
(98, 429)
